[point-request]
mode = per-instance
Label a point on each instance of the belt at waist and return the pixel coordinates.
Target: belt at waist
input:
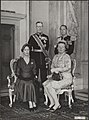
(37, 50)
(26, 79)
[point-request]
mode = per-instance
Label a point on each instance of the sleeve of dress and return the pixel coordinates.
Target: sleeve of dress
(67, 63)
(53, 62)
(34, 67)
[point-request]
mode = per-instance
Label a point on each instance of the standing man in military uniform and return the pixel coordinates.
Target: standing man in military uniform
(69, 39)
(37, 53)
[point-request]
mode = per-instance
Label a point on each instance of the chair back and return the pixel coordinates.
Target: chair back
(13, 64)
(73, 67)
(12, 78)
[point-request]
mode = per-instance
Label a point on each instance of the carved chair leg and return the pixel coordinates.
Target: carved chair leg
(70, 96)
(10, 96)
(14, 98)
(72, 99)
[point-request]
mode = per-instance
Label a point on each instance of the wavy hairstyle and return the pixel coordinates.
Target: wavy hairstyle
(56, 48)
(25, 45)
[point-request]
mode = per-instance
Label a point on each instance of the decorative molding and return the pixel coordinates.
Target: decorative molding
(15, 16)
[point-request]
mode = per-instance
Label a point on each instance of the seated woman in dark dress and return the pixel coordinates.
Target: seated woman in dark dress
(25, 72)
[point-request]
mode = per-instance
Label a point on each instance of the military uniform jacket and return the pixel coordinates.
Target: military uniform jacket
(38, 56)
(44, 39)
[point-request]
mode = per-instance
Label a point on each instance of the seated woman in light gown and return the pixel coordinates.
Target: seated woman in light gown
(26, 72)
(60, 63)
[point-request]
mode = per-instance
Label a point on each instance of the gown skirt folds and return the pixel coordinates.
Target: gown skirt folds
(25, 90)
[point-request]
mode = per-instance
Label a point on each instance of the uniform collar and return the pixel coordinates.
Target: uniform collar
(64, 36)
(39, 34)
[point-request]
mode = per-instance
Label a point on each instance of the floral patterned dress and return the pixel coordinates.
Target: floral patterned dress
(64, 63)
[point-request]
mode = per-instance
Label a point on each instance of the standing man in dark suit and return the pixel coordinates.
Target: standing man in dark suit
(69, 39)
(37, 53)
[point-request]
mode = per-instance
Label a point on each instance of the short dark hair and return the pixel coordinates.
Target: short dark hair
(63, 26)
(39, 22)
(25, 45)
(56, 48)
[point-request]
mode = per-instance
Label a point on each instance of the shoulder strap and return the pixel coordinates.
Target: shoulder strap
(40, 44)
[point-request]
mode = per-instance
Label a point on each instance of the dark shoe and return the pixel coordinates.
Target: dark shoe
(53, 110)
(49, 108)
(35, 108)
(31, 109)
